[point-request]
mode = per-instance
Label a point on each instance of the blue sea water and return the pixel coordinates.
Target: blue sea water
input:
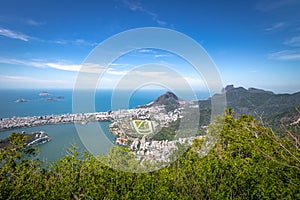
(60, 102)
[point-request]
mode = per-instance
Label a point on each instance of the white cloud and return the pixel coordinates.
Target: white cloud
(119, 65)
(134, 5)
(78, 42)
(23, 79)
(112, 71)
(294, 41)
(93, 68)
(64, 67)
(14, 35)
(275, 26)
(21, 62)
(150, 74)
(155, 76)
(20, 36)
(7, 81)
(32, 22)
(160, 22)
(161, 55)
(288, 55)
(144, 50)
(41, 64)
(195, 81)
(157, 53)
(137, 6)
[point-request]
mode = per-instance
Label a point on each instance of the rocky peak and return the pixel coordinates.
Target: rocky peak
(164, 97)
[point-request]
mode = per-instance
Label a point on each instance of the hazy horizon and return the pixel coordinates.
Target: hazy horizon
(253, 44)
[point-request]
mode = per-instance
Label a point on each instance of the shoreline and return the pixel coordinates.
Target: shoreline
(133, 128)
(34, 139)
(26, 122)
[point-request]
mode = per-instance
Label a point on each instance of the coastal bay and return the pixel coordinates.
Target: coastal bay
(63, 135)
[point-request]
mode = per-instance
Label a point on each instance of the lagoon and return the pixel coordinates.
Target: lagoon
(65, 135)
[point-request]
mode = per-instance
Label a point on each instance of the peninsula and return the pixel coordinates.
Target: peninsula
(144, 130)
(151, 131)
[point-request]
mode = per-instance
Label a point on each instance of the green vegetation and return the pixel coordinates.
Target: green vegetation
(167, 133)
(142, 126)
(247, 161)
(273, 109)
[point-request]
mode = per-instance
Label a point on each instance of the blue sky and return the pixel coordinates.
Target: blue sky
(253, 43)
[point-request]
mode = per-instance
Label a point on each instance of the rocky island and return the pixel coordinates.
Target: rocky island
(148, 131)
(21, 100)
(152, 131)
(44, 93)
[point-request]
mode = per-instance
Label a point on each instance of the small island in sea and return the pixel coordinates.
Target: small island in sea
(44, 93)
(151, 131)
(21, 100)
(46, 96)
(50, 99)
(143, 130)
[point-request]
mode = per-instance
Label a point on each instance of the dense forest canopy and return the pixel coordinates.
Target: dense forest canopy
(247, 161)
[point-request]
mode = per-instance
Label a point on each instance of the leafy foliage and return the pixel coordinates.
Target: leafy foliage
(247, 161)
(167, 133)
(274, 109)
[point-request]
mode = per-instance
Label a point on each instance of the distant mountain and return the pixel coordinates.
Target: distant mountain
(166, 97)
(274, 108)
(169, 100)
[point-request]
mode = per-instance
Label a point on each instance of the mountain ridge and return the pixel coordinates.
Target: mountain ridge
(274, 109)
(168, 99)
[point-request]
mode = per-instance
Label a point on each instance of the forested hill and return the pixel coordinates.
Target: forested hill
(274, 108)
(247, 162)
(169, 100)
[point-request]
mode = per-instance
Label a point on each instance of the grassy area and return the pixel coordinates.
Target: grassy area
(142, 126)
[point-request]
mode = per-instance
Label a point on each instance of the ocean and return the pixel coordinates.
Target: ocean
(47, 102)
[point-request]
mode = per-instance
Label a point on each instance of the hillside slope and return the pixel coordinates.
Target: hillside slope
(274, 108)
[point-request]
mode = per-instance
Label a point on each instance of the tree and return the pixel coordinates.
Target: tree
(246, 161)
